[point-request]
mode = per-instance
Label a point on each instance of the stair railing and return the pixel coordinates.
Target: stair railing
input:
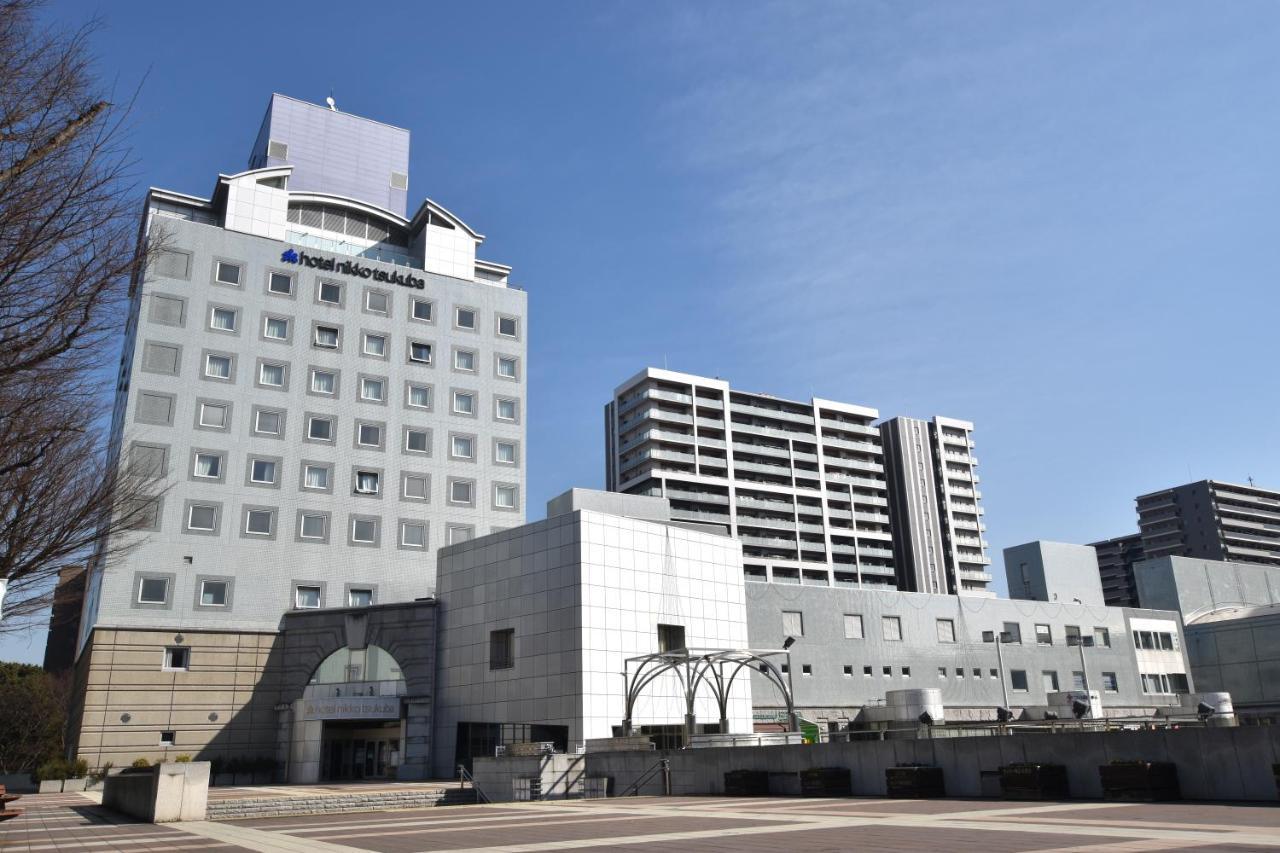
(663, 766)
(464, 776)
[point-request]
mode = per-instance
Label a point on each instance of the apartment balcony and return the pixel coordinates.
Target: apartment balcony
(762, 411)
(761, 503)
(1248, 515)
(741, 447)
(756, 429)
(655, 414)
(716, 443)
(817, 529)
(864, 465)
(961, 524)
(846, 444)
(873, 517)
(773, 542)
(709, 423)
(679, 494)
(655, 435)
(654, 394)
(1268, 542)
(865, 533)
(760, 468)
(760, 522)
(710, 403)
(853, 480)
(802, 456)
(861, 429)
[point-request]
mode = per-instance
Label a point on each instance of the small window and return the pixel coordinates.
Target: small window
(323, 381)
(464, 360)
(281, 283)
(153, 591)
(369, 435)
(259, 522)
(263, 471)
(942, 672)
(377, 301)
(506, 410)
(313, 526)
(213, 593)
(208, 465)
(462, 447)
(1050, 679)
(1077, 680)
(508, 368)
(456, 533)
(1018, 680)
(670, 638)
(266, 422)
(505, 497)
(306, 597)
(424, 309)
(504, 453)
(222, 319)
(373, 390)
(217, 366)
(508, 327)
(853, 626)
(991, 673)
(1109, 682)
(419, 397)
(417, 441)
(946, 631)
(419, 352)
(1044, 635)
(202, 517)
(367, 482)
(1011, 632)
(364, 530)
(464, 403)
(906, 672)
(502, 647)
(792, 623)
(316, 477)
(464, 318)
(330, 292)
(168, 738)
(320, 429)
(413, 534)
(891, 627)
(271, 375)
(806, 669)
(959, 672)
(213, 415)
(276, 328)
(416, 487)
(227, 273)
(375, 345)
(461, 492)
(359, 597)
(326, 337)
(848, 671)
(1102, 637)
(866, 671)
(177, 657)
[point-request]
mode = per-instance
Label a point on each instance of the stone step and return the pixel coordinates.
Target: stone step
(249, 807)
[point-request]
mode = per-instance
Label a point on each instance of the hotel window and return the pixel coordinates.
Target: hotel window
(213, 593)
(326, 337)
(502, 649)
(853, 626)
(670, 638)
(320, 429)
(1044, 635)
(367, 483)
(508, 327)
(271, 375)
(505, 496)
(153, 590)
(461, 447)
(330, 292)
(504, 452)
(368, 435)
(792, 623)
(280, 283)
(266, 422)
(373, 390)
(213, 415)
(1102, 637)
(417, 441)
(313, 526)
(413, 534)
(508, 367)
(323, 381)
(223, 319)
(226, 273)
(455, 533)
(275, 328)
(1109, 683)
(364, 530)
(464, 403)
(375, 345)
(424, 310)
(946, 631)
(416, 487)
(359, 597)
(505, 410)
(316, 477)
(262, 471)
(177, 657)
(419, 352)
(464, 360)
(1018, 680)
(259, 522)
(464, 318)
(306, 597)
(377, 301)
(208, 466)
(202, 517)
(891, 627)
(419, 396)
(217, 366)
(461, 492)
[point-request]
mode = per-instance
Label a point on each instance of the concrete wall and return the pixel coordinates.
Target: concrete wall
(1240, 656)
(1213, 764)
(1054, 571)
(162, 794)
(1197, 587)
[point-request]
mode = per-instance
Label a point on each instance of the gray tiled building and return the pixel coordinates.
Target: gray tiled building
(1212, 520)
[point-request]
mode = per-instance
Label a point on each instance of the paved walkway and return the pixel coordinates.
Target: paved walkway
(686, 824)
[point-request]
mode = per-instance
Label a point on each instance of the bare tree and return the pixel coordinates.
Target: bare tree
(69, 252)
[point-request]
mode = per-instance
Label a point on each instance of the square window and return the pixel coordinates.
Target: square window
(376, 301)
(424, 309)
(316, 477)
(1018, 680)
(227, 273)
(887, 671)
(419, 352)
(259, 522)
(153, 591)
(419, 396)
(323, 381)
(276, 328)
(942, 672)
(263, 471)
(792, 623)
(866, 670)
(416, 487)
(413, 534)
(369, 435)
(320, 429)
(505, 497)
(1044, 635)
(462, 447)
(266, 422)
(359, 597)
(330, 293)
(505, 453)
(508, 327)
(281, 283)
(1102, 637)
(367, 483)
(202, 517)
(271, 375)
(906, 672)
(373, 390)
(208, 465)
(464, 360)
(217, 366)
(506, 409)
(464, 403)
(464, 318)
(375, 345)
(223, 319)
(848, 671)
(461, 491)
(670, 638)
(946, 631)
(455, 533)
(853, 626)
(213, 593)
(891, 627)
(417, 441)
(313, 526)
(806, 669)
(959, 672)
(364, 530)
(168, 738)
(306, 597)
(508, 368)
(1109, 682)
(502, 648)
(213, 415)
(326, 337)
(1011, 632)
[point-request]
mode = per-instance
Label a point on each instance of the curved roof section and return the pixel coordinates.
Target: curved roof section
(351, 204)
(429, 206)
(1226, 612)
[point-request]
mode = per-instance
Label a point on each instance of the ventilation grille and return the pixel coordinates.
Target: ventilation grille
(399, 181)
(348, 222)
(278, 150)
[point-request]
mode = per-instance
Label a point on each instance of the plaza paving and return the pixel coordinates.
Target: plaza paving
(59, 822)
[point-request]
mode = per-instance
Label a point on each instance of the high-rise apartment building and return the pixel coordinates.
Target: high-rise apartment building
(937, 520)
(803, 486)
(1212, 520)
(323, 390)
(1115, 568)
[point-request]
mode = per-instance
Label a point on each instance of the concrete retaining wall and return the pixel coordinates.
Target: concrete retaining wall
(161, 794)
(1213, 763)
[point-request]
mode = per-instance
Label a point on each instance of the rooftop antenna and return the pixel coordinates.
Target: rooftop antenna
(1250, 479)
(332, 104)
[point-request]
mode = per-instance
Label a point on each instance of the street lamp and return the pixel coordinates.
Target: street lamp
(1082, 641)
(791, 686)
(1000, 639)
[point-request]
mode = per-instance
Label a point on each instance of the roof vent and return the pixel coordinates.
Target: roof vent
(278, 150)
(399, 181)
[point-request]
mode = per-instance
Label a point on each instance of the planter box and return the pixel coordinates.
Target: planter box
(70, 786)
(914, 782)
(1145, 781)
(826, 782)
(51, 786)
(746, 783)
(1034, 782)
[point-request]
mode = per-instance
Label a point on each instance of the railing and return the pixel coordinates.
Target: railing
(662, 766)
(464, 776)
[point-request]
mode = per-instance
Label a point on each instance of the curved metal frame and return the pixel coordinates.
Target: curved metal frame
(696, 667)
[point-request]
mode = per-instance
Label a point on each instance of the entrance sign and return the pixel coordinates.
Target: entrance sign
(351, 708)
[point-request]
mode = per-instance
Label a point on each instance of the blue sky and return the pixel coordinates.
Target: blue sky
(1055, 220)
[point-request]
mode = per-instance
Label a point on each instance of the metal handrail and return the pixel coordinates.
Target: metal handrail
(663, 766)
(464, 776)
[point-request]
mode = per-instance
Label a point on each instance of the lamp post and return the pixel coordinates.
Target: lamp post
(791, 686)
(1083, 641)
(999, 638)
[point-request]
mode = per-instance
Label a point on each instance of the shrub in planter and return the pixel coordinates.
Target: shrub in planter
(183, 759)
(77, 769)
(53, 770)
(140, 764)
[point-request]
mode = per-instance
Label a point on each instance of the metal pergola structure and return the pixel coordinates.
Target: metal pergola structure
(716, 668)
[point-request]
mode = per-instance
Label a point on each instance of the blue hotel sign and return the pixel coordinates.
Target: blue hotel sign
(352, 268)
